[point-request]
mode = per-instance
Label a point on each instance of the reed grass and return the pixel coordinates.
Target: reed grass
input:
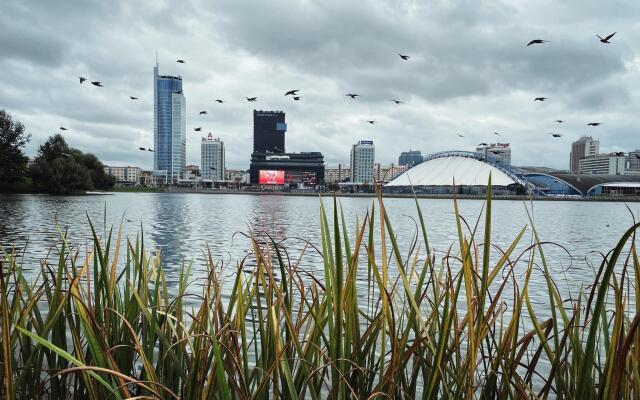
(101, 324)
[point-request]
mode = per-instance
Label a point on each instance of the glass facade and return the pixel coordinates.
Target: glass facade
(169, 126)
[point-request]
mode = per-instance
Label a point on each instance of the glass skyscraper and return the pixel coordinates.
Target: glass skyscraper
(169, 127)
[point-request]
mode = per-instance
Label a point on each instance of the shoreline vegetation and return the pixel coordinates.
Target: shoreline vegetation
(97, 321)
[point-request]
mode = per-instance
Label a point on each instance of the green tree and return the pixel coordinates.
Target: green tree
(60, 169)
(13, 162)
(99, 178)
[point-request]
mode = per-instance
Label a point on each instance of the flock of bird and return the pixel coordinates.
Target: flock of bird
(353, 96)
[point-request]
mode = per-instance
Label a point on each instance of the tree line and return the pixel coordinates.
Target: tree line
(57, 168)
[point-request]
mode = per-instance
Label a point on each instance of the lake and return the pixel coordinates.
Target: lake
(183, 225)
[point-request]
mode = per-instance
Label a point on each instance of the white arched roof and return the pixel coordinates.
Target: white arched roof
(441, 171)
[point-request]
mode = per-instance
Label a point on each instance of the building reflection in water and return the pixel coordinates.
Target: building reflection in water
(170, 231)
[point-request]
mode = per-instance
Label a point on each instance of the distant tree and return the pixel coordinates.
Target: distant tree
(13, 162)
(60, 169)
(99, 178)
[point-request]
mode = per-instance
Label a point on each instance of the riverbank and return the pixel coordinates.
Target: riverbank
(309, 193)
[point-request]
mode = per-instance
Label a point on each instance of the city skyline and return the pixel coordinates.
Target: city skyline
(469, 78)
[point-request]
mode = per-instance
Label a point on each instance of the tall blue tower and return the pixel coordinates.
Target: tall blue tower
(169, 127)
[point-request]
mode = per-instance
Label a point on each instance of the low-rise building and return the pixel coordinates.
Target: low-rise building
(387, 173)
(293, 170)
(125, 176)
(607, 164)
(337, 174)
(237, 176)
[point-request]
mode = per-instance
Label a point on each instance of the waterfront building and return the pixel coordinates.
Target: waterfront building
(337, 174)
(584, 147)
(212, 159)
(607, 164)
(237, 176)
(471, 171)
(410, 158)
(271, 166)
(269, 128)
(387, 173)
(287, 169)
(500, 152)
(169, 127)
(362, 160)
(125, 176)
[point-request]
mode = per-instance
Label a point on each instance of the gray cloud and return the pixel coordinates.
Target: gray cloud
(470, 73)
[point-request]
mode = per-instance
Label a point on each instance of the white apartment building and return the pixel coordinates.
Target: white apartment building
(212, 159)
(362, 160)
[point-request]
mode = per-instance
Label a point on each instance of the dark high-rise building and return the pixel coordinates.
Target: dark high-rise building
(268, 131)
(410, 158)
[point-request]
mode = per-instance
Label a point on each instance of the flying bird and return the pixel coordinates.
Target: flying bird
(496, 133)
(180, 61)
(606, 39)
(459, 135)
(62, 128)
(198, 129)
(203, 112)
(537, 41)
(82, 79)
(559, 121)
(352, 95)
(370, 121)
(555, 134)
(133, 98)
(594, 123)
(483, 144)
(150, 150)
(404, 57)
(540, 99)
(637, 156)
(97, 83)
(292, 92)
(251, 98)
(142, 148)
(397, 101)
(219, 101)
(296, 98)
(178, 92)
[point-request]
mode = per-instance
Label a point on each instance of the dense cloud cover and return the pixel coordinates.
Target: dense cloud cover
(470, 73)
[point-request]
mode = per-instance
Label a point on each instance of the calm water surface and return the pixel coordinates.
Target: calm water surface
(182, 226)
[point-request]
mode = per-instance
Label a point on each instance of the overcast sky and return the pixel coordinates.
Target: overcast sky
(470, 73)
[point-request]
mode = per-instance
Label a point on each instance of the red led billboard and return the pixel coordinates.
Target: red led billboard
(271, 177)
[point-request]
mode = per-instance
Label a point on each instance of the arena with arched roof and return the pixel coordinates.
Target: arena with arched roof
(469, 172)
